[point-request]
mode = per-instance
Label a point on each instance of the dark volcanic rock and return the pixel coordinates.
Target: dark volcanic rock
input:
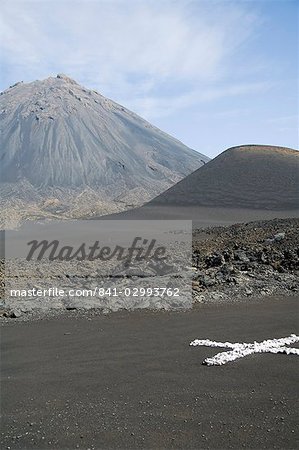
(243, 260)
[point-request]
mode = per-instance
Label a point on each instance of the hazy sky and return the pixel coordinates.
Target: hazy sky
(214, 74)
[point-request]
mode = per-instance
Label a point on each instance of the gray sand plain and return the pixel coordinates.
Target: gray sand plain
(131, 380)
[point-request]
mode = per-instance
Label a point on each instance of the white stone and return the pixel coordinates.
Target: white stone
(245, 349)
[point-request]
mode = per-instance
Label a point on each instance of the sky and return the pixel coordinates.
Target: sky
(212, 73)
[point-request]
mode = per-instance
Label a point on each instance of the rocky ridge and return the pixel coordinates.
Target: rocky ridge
(229, 264)
(246, 260)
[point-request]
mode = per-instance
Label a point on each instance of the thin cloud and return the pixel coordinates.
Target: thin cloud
(127, 50)
(157, 107)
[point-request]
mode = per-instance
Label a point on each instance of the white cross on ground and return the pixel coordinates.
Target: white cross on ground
(241, 350)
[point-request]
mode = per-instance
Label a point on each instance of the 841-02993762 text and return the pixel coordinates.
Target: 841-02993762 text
(98, 292)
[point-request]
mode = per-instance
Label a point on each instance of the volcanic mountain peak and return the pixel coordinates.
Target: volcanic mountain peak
(58, 95)
(64, 77)
(61, 96)
(57, 134)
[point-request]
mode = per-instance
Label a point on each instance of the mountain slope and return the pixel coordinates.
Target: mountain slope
(62, 143)
(249, 176)
(243, 184)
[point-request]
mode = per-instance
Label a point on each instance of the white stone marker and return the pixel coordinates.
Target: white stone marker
(241, 350)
